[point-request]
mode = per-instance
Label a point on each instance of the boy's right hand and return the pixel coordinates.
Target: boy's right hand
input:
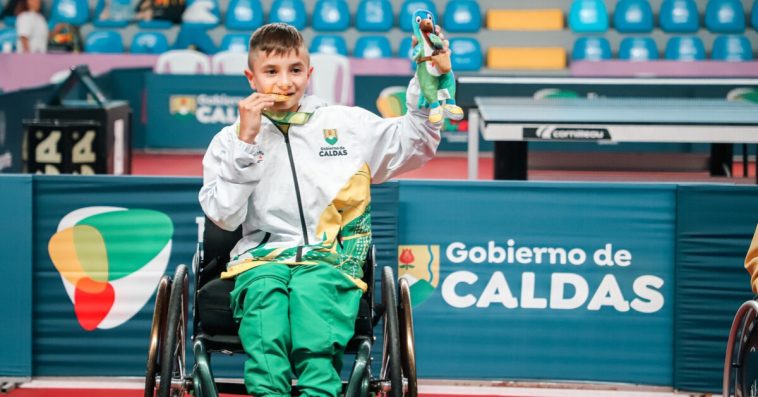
(250, 110)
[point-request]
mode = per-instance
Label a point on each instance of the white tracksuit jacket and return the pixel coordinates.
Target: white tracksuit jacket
(302, 198)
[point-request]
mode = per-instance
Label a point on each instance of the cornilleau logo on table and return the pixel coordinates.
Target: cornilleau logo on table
(109, 260)
(547, 132)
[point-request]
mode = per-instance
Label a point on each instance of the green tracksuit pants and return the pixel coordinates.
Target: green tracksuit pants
(294, 317)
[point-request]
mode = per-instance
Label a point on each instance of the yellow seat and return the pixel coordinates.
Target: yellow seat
(547, 19)
(526, 58)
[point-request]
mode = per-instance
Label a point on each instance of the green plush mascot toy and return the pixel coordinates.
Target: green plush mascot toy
(433, 71)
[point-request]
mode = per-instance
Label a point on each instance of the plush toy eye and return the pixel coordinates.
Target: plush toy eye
(418, 19)
(429, 16)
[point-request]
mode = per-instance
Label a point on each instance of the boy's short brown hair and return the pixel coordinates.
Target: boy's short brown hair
(277, 38)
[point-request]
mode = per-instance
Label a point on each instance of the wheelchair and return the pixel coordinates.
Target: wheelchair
(741, 360)
(215, 331)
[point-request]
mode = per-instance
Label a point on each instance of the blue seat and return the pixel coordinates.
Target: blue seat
(235, 42)
(155, 24)
(148, 43)
(409, 7)
(406, 51)
(104, 42)
(679, 16)
(466, 54)
(633, 16)
(374, 16)
(638, 49)
(725, 16)
(244, 15)
(732, 48)
(588, 16)
(288, 11)
(8, 40)
(331, 16)
(373, 47)
(328, 44)
(211, 9)
(462, 16)
(119, 14)
(591, 49)
(9, 21)
(74, 12)
(191, 36)
(685, 48)
(754, 15)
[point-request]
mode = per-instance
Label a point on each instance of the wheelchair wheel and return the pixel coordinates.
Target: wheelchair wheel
(741, 361)
(407, 348)
(391, 364)
(157, 333)
(173, 357)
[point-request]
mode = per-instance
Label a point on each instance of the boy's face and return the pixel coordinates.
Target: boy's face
(284, 74)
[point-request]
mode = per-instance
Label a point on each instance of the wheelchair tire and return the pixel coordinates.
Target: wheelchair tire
(407, 348)
(173, 352)
(391, 356)
(157, 334)
(741, 361)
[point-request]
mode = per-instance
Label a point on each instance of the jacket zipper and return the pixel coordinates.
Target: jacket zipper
(299, 256)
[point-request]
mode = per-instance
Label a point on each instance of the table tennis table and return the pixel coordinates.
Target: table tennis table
(513, 121)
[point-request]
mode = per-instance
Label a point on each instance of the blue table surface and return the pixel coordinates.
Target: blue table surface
(617, 110)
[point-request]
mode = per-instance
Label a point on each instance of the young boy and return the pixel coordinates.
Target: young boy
(296, 174)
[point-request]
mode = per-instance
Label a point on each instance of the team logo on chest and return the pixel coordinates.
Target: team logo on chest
(330, 136)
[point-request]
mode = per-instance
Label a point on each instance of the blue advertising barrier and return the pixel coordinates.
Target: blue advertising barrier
(714, 229)
(16, 296)
(546, 281)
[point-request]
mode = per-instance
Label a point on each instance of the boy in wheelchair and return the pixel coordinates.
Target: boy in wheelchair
(295, 173)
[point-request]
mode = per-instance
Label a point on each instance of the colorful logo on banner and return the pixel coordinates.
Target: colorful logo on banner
(183, 105)
(420, 265)
(108, 259)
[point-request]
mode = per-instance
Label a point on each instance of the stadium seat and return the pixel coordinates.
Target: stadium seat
(754, 15)
(732, 48)
(235, 42)
(148, 43)
(679, 16)
(633, 16)
(526, 20)
(331, 16)
(9, 22)
(588, 16)
(182, 62)
(244, 15)
(104, 42)
(74, 12)
(373, 47)
(374, 16)
(155, 24)
(725, 16)
(328, 44)
(409, 7)
(466, 54)
(229, 63)
(332, 80)
(118, 14)
(288, 11)
(203, 14)
(526, 58)
(462, 16)
(591, 49)
(8, 40)
(685, 48)
(638, 49)
(406, 51)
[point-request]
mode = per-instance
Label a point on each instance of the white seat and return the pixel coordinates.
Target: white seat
(331, 79)
(183, 62)
(228, 62)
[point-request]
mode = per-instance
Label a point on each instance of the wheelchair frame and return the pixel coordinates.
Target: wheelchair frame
(740, 362)
(166, 357)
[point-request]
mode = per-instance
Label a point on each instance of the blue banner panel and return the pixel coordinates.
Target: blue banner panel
(100, 246)
(540, 281)
(714, 229)
(16, 296)
(185, 112)
(101, 243)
